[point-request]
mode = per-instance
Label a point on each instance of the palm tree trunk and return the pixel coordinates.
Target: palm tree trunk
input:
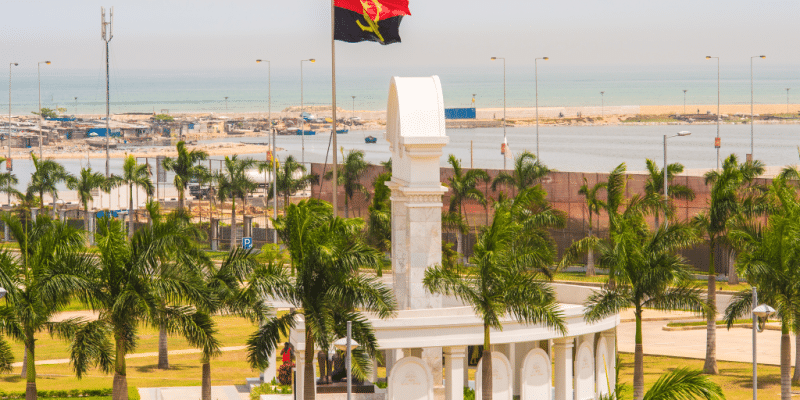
(206, 385)
(163, 355)
(119, 389)
(486, 366)
(786, 362)
(590, 258)
(657, 221)
(459, 243)
(130, 211)
(86, 217)
(710, 366)
(308, 376)
(638, 360)
(181, 201)
(24, 371)
(346, 207)
(733, 278)
(30, 375)
(233, 223)
(796, 376)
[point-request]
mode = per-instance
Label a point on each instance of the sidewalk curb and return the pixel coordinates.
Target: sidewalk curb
(703, 327)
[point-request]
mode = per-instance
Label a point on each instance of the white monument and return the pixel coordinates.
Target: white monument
(428, 328)
(411, 379)
(502, 383)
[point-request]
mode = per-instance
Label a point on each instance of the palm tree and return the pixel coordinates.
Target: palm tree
(463, 186)
(527, 172)
(326, 289)
(768, 258)
(654, 187)
(46, 176)
(680, 384)
(134, 175)
(292, 178)
(594, 204)
(379, 221)
(615, 198)
(651, 275)
(239, 286)
(353, 168)
(128, 288)
(234, 183)
(723, 205)
(185, 168)
(502, 280)
(50, 269)
(87, 182)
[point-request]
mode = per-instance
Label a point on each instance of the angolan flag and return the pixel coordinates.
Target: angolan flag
(373, 20)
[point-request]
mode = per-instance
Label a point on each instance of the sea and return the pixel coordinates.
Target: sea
(248, 89)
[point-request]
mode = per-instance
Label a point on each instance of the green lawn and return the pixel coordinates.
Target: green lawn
(734, 378)
(581, 277)
(233, 331)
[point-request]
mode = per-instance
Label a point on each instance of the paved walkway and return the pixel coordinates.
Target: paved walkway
(134, 355)
(732, 345)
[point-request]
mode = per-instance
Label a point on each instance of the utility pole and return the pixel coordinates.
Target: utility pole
(107, 28)
(76, 107)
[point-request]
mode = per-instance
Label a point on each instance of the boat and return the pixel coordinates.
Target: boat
(370, 139)
(342, 131)
(301, 132)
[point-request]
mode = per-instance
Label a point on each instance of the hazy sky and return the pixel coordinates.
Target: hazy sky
(231, 34)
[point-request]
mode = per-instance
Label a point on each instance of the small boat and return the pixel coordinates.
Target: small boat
(342, 131)
(370, 139)
(301, 132)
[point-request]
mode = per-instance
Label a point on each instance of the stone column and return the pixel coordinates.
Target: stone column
(562, 349)
(392, 356)
(433, 356)
(300, 368)
(454, 366)
(270, 372)
(34, 213)
(374, 375)
(247, 228)
(214, 234)
(611, 341)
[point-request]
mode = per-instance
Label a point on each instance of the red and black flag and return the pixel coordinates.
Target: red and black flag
(373, 20)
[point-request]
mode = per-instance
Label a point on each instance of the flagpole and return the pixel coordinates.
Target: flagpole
(333, 109)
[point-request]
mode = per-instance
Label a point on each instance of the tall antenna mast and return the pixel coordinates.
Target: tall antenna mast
(107, 30)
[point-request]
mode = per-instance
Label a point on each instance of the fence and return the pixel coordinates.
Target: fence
(562, 193)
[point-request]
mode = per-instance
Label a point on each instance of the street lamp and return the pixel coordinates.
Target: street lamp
(39, 68)
(348, 344)
(8, 139)
(504, 104)
(684, 101)
(664, 172)
(536, 75)
(602, 105)
(352, 119)
(761, 312)
(226, 103)
(303, 120)
(716, 141)
(787, 100)
(76, 107)
(274, 149)
(751, 103)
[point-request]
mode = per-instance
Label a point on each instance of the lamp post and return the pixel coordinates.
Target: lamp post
(602, 105)
(274, 148)
(787, 100)
(347, 344)
(39, 71)
(8, 139)
(504, 104)
(684, 101)
(76, 107)
(664, 172)
(751, 104)
(536, 76)
(352, 119)
(226, 103)
(762, 311)
(302, 119)
(717, 141)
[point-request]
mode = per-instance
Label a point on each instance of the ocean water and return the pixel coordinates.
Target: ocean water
(247, 89)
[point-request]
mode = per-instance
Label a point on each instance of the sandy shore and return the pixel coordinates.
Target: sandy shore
(213, 149)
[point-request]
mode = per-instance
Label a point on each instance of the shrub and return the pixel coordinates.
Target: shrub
(469, 394)
(285, 373)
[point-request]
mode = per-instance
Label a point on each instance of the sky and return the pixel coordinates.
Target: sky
(178, 35)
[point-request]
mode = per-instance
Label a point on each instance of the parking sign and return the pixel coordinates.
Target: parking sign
(247, 243)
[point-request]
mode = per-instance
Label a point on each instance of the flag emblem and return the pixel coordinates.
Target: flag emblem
(369, 20)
